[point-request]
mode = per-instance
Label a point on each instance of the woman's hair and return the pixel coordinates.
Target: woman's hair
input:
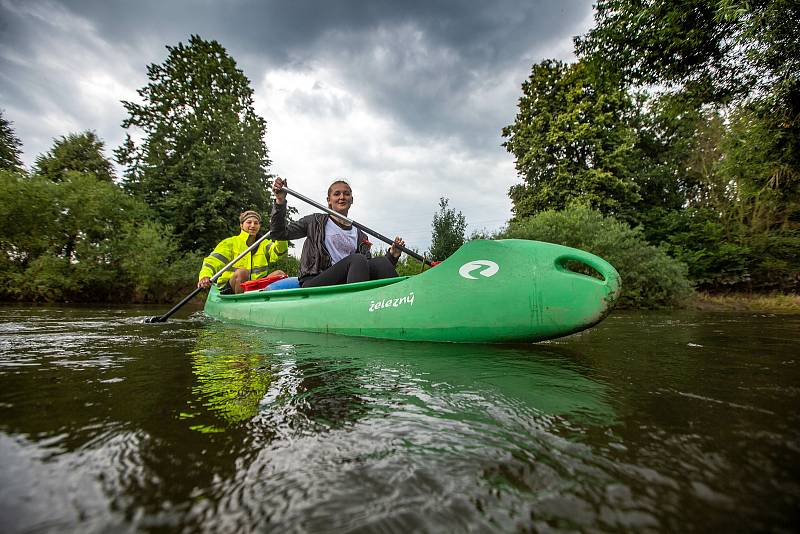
(330, 187)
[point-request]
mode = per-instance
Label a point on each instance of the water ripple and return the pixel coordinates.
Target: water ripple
(647, 423)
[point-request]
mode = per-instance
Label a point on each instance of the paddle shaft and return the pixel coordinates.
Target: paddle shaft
(356, 224)
(163, 318)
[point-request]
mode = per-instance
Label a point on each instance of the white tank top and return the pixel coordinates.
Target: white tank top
(340, 243)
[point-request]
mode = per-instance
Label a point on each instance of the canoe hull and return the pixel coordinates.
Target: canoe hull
(487, 292)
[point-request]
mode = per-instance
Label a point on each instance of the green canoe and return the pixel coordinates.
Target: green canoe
(487, 292)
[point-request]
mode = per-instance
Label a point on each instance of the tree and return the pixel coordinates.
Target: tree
(716, 51)
(76, 152)
(731, 155)
(91, 212)
(10, 147)
(665, 130)
(28, 212)
(763, 162)
(203, 159)
(448, 231)
(85, 239)
(571, 141)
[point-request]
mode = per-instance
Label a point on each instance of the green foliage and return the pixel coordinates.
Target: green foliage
(570, 141)
(448, 231)
(76, 236)
(762, 158)
(774, 262)
(408, 266)
(724, 255)
(738, 226)
(152, 264)
(81, 153)
(676, 152)
(288, 264)
(84, 239)
(48, 278)
(10, 147)
(650, 278)
(718, 156)
(697, 237)
(91, 211)
(715, 51)
(28, 217)
(203, 158)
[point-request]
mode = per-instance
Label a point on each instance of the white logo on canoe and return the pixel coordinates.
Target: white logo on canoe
(488, 268)
(391, 303)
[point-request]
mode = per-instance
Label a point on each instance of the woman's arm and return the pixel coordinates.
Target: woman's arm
(394, 252)
(280, 231)
(278, 228)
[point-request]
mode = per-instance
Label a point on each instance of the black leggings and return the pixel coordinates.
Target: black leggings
(354, 268)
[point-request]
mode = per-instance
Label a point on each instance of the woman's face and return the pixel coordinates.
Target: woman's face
(340, 198)
(251, 225)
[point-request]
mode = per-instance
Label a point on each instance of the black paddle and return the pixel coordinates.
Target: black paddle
(163, 318)
(357, 225)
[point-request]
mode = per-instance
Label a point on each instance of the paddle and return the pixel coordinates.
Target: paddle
(163, 318)
(357, 225)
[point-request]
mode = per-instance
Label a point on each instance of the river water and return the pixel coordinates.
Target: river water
(663, 422)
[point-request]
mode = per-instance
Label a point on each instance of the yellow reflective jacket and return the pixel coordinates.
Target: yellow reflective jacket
(257, 262)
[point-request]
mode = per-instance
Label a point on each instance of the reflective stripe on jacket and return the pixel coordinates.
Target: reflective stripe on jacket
(257, 262)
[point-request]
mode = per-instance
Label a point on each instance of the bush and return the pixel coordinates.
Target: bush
(288, 264)
(47, 279)
(697, 238)
(28, 218)
(774, 262)
(650, 278)
(84, 239)
(153, 266)
(728, 255)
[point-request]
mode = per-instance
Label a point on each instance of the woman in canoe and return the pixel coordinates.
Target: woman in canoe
(251, 267)
(334, 252)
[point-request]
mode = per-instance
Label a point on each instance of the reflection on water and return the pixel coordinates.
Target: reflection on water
(326, 381)
(649, 421)
(231, 377)
(342, 413)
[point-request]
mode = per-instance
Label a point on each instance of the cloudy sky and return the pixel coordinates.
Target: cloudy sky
(405, 99)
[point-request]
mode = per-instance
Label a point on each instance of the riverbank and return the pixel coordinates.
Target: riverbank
(770, 303)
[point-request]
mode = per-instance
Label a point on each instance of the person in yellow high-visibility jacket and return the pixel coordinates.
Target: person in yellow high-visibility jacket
(253, 266)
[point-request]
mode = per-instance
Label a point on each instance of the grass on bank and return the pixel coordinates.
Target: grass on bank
(747, 302)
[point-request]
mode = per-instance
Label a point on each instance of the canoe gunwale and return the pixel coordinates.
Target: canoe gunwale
(311, 291)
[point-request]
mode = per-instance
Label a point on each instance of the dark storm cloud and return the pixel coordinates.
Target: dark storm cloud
(389, 92)
(431, 65)
(483, 31)
(434, 66)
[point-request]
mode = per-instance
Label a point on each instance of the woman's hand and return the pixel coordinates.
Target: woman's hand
(277, 189)
(394, 250)
(204, 282)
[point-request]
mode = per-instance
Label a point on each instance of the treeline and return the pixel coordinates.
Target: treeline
(72, 231)
(681, 120)
(76, 236)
